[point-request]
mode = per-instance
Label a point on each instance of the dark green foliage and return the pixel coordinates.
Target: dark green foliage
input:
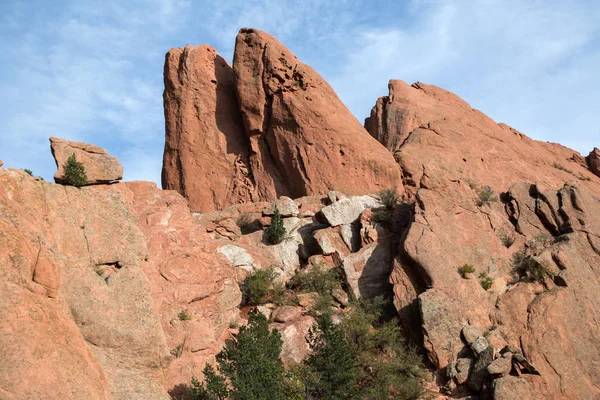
(214, 386)
(362, 358)
(527, 268)
(486, 196)
(389, 198)
(74, 172)
(184, 315)
(275, 233)
(466, 269)
(381, 217)
(330, 363)
(30, 172)
(387, 369)
(317, 279)
(486, 281)
(260, 287)
(250, 366)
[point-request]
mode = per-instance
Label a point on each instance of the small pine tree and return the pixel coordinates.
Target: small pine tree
(331, 362)
(213, 388)
(30, 172)
(275, 233)
(74, 172)
(250, 364)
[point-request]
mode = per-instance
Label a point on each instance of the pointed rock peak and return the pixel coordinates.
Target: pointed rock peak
(303, 140)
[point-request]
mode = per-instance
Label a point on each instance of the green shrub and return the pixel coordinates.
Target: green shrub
(507, 239)
(387, 368)
(486, 196)
(260, 287)
(30, 172)
(74, 172)
(466, 269)
(249, 365)
(381, 217)
(317, 279)
(275, 233)
(389, 198)
(528, 269)
(486, 281)
(245, 223)
(184, 315)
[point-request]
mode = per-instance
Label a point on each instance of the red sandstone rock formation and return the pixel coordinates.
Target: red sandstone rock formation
(538, 196)
(297, 138)
(206, 149)
(593, 160)
(99, 166)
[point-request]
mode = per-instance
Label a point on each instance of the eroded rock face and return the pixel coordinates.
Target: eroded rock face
(206, 149)
(69, 329)
(482, 193)
(99, 166)
(593, 161)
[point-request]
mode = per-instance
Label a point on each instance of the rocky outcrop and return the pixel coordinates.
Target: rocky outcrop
(289, 136)
(99, 166)
(206, 149)
(487, 196)
(593, 161)
(76, 308)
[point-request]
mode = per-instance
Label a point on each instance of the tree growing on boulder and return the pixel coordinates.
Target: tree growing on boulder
(275, 233)
(74, 172)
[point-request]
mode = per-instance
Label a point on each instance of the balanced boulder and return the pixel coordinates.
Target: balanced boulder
(99, 166)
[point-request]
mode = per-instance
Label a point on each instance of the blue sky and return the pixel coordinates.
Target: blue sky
(92, 71)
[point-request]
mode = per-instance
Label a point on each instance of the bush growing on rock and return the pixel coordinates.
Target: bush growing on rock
(466, 269)
(275, 233)
(28, 171)
(245, 223)
(527, 268)
(486, 281)
(74, 172)
(381, 217)
(249, 364)
(486, 196)
(260, 287)
(389, 198)
(317, 279)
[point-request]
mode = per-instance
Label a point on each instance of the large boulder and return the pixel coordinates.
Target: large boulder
(303, 140)
(99, 166)
(206, 149)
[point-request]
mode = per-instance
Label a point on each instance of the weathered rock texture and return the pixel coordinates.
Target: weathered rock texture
(540, 196)
(99, 166)
(290, 135)
(593, 160)
(206, 149)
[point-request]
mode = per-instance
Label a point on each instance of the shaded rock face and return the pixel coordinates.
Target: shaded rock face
(206, 149)
(270, 127)
(593, 160)
(483, 192)
(99, 166)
